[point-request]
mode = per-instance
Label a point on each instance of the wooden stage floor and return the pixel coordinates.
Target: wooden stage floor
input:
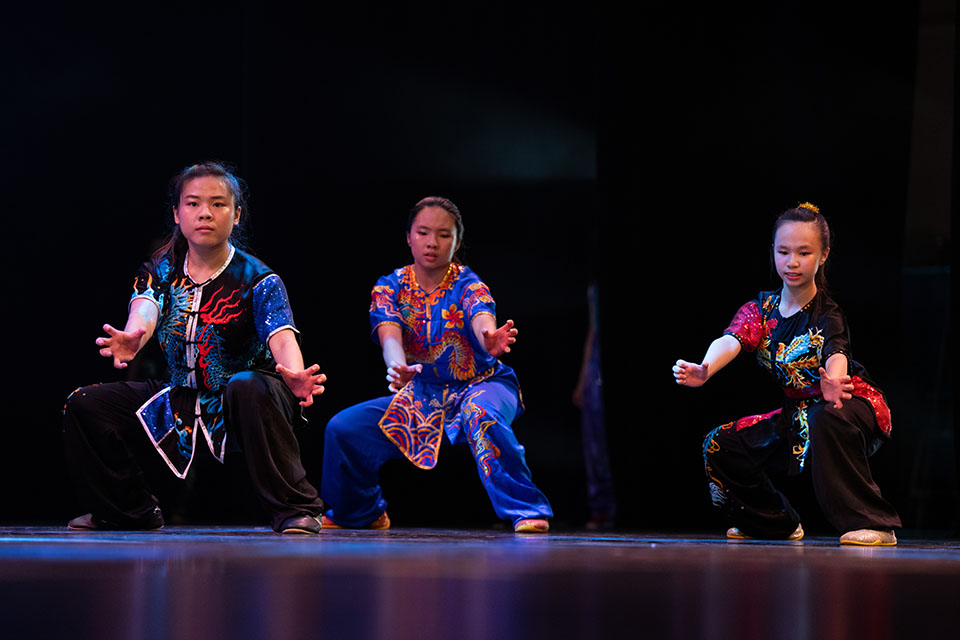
(247, 582)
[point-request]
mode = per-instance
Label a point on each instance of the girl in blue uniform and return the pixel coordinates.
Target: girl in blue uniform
(833, 416)
(436, 324)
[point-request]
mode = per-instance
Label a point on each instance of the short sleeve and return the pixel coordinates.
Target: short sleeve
(147, 283)
(384, 307)
(476, 300)
(747, 326)
(836, 337)
(271, 308)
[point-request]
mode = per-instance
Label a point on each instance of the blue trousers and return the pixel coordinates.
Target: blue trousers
(355, 448)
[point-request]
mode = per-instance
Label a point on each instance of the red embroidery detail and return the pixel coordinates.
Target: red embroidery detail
(880, 409)
(484, 450)
(415, 434)
(749, 326)
(382, 297)
(453, 316)
(222, 310)
(749, 421)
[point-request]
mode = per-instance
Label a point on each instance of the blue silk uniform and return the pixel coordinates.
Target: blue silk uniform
(462, 391)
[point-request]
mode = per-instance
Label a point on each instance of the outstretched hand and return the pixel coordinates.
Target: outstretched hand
(690, 374)
(398, 375)
(498, 342)
(122, 346)
(835, 390)
(304, 383)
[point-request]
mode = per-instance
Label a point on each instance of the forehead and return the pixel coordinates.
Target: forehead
(206, 187)
(434, 218)
(798, 234)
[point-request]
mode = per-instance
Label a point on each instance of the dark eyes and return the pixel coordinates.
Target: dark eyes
(194, 203)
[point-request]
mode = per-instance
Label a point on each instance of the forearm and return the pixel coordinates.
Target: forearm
(836, 365)
(286, 351)
(720, 353)
(143, 315)
(480, 322)
(391, 341)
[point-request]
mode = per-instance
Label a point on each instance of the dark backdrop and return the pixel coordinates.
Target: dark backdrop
(647, 150)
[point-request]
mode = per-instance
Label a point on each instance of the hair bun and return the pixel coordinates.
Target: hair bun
(810, 206)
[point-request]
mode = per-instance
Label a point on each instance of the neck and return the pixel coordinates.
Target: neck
(429, 279)
(797, 298)
(203, 262)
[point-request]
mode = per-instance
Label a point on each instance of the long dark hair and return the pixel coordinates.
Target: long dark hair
(447, 205)
(806, 212)
(210, 168)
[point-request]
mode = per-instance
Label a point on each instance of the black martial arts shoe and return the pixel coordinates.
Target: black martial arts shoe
(302, 524)
(153, 521)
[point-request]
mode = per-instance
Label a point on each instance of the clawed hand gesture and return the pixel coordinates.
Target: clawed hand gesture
(398, 375)
(122, 346)
(835, 390)
(305, 383)
(498, 342)
(689, 374)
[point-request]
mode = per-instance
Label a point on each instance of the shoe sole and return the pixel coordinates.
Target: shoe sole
(73, 528)
(69, 528)
(330, 524)
(875, 543)
(743, 537)
(527, 528)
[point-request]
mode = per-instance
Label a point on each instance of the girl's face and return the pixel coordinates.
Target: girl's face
(206, 213)
(798, 253)
(433, 239)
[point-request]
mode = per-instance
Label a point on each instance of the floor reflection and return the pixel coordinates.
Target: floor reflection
(239, 583)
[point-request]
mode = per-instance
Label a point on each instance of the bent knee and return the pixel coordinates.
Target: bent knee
(339, 426)
(245, 384)
(711, 443)
(826, 419)
(82, 401)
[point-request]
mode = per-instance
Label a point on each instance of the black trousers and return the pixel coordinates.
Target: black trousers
(841, 441)
(107, 448)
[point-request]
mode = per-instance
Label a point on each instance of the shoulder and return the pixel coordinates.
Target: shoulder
(249, 268)
(768, 298)
(161, 266)
(824, 306)
(466, 274)
(763, 304)
(395, 277)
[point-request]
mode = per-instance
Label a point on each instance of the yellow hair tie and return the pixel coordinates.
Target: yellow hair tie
(810, 206)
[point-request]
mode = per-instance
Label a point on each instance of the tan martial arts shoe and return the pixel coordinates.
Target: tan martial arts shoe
(532, 525)
(735, 534)
(869, 538)
(380, 524)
